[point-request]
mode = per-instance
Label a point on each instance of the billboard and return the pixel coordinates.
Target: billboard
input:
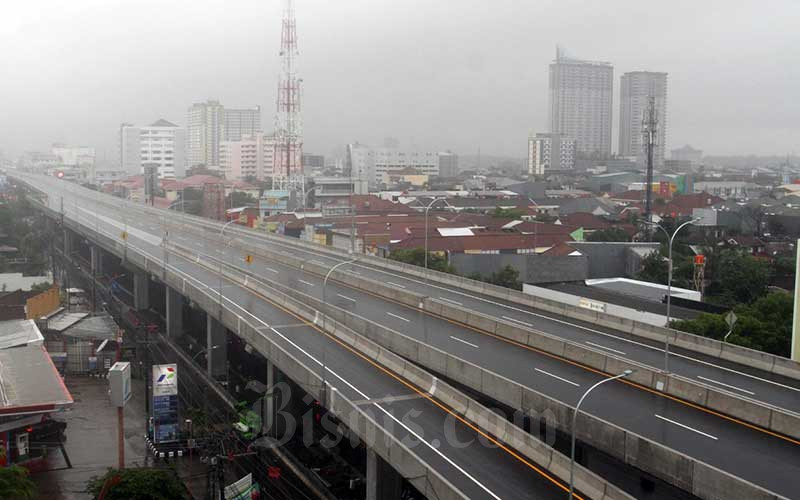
(165, 419)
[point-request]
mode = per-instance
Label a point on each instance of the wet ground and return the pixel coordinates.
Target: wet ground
(91, 442)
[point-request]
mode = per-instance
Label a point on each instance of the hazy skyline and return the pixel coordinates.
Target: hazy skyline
(438, 75)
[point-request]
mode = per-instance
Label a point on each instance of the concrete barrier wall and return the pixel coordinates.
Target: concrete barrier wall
(392, 450)
(631, 448)
(742, 355)
(737, 406)
(538, 452)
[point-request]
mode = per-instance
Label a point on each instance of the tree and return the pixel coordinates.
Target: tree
(41, 287)
(507, 277)
(416, 256)
(240, 199)
(141, 484)
(736, 278)
(508, 213)
(610, 234)
(15, 483)
(764, 325)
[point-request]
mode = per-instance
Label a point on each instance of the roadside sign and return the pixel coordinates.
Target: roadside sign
(124, 235)
(730, 319)
(248, 259)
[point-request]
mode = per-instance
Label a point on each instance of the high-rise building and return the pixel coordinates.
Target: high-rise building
(634, 92)
(205, 123)
(241, 122)
(251, 157)
(580, 102)
(448, 164)
(130, 157)
(210, 123)
(161, 144)
(550, 152)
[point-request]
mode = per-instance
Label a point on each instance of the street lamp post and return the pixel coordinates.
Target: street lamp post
(426, 227)
(324, 286)
(575, 423)
(669, 280)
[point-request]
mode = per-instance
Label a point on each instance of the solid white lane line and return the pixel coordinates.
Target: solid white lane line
(317, 262)
(464, 342)
(452, 301)
(272, 270)
(306, 282)
(725, 385)
(360, 393)
(346, 297)
(518, 321)
(606, 348)
(398, 317)
(394, 284)
(665, 419)
(557, 377)
(438, 452)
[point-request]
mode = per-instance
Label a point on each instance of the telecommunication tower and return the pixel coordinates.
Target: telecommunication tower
(649, 135)
(288, 173)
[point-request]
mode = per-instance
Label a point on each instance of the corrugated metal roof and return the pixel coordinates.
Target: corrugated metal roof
(96, 327)
(455, 231)
(19, 332)
(29, 381)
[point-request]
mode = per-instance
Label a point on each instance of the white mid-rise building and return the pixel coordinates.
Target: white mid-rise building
(252, 157)
(580, 102)
(161, 144)
(550, 152)
(374, 164)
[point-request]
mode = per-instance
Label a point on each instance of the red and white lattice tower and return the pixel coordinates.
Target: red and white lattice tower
(288, 172)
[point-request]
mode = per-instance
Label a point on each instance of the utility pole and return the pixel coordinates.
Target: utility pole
(649, 131)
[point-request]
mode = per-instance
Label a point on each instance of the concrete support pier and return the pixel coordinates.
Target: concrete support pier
(174, 313)
(383, 482)
(217, 349)
(141, 291)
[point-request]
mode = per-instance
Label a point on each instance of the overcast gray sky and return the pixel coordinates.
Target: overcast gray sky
(436, 74)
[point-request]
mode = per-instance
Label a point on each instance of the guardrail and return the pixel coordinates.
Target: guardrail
(390, 448)
(495, 425)
(699, 478)
(758, 359)
(751, 411)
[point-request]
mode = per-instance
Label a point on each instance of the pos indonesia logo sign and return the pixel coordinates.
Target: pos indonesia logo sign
(165, 380)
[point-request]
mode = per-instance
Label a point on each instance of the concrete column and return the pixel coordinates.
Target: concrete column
(217, 349)
(174, 313)
(141, 291)
(97, 260)
(272, 401)
(383, 482)
(67, 242)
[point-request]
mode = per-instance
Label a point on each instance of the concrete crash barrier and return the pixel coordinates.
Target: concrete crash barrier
(631, 448)
(385, 444)
(750, 357)
(489, 422)
(734, 405)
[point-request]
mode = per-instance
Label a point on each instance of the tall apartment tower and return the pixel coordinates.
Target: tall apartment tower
(205, 121)
(635, 89)
(240, 123)
(581, 94)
